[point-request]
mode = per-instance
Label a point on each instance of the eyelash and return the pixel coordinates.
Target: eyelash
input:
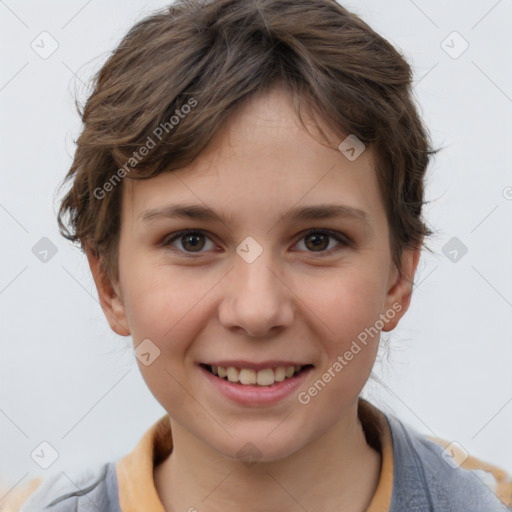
(339, 237)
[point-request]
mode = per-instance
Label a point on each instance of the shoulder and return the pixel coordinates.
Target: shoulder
(435, 475)
(74, 492)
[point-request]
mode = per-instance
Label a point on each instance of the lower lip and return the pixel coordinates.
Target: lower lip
(257, 395)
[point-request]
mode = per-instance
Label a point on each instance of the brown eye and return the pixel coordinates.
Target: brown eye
(193, 241)
(317, 241)
(187, 241)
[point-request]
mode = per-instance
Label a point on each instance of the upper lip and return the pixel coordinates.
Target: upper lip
(255, 366)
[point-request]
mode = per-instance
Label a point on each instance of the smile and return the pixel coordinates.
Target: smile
(251, 377)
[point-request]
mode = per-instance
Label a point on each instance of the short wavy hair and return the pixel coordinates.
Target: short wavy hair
(178, 75)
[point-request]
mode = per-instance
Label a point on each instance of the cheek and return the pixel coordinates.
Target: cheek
(345, 304)
(161, 303)
(348, 309)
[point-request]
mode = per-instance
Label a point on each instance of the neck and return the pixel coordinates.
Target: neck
(339, 466)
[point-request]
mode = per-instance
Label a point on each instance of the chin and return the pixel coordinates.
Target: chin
(260, 447)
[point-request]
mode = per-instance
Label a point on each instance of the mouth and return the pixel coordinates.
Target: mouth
(265, 377)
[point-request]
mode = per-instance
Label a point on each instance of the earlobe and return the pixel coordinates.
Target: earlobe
(109, 296)
(400, 291)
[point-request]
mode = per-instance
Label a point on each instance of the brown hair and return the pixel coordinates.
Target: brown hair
(179, 73)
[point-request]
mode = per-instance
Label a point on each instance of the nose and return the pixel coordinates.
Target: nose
(257, 300)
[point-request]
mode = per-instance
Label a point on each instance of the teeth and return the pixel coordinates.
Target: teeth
(233, 374)
(280, 374)
(264, 377)
(248, 376)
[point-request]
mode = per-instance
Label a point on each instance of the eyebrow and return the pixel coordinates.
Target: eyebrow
(200, 212)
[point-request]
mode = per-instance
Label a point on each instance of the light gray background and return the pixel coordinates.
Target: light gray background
(65, 378)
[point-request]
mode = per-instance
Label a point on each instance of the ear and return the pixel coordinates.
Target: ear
(110, 297)
(400, 287)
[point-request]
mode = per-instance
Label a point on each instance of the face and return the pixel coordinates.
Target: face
(256, 286)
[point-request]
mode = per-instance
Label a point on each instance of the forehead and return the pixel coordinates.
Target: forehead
(262, 163)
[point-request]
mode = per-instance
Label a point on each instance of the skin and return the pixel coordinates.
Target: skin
(291, 303)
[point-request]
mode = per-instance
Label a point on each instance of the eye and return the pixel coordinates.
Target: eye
(316, 240)
(191, 241)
